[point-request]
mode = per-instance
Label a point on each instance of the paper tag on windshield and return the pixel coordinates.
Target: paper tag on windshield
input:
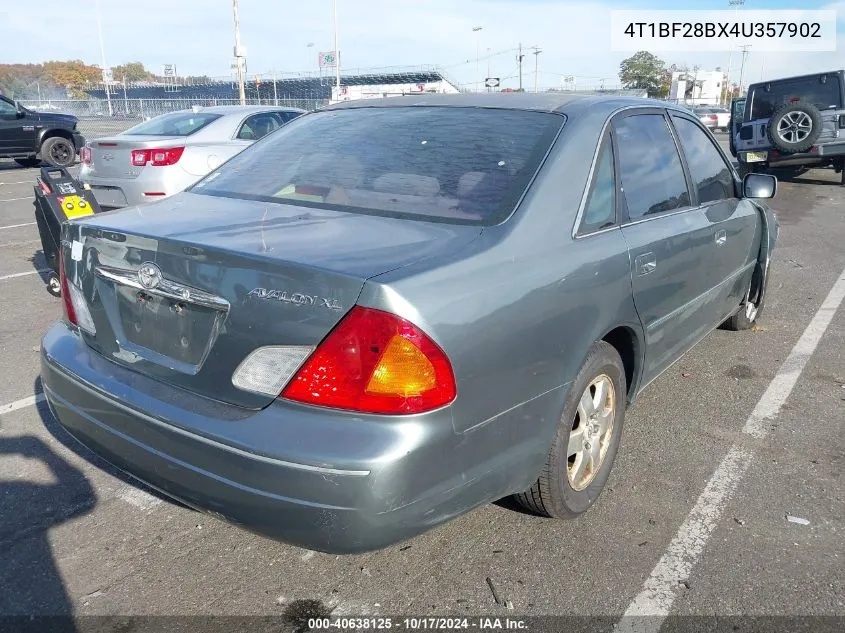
(76, 251)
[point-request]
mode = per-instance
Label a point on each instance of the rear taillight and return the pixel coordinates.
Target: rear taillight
(375, 362)
(75, 308)
(70, 313)
(157, 157)
(85, 155)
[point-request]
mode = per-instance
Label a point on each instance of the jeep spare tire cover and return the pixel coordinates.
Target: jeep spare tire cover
(794, 127)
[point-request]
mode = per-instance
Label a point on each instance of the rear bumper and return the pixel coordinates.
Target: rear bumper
(147, 187)
(321, 480)
(775, 158)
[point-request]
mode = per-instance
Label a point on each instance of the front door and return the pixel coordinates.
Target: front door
(11, 129)
(737, 112)
(734, 222)
(670, 241)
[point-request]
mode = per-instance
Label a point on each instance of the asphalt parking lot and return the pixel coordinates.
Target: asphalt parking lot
(694, 521)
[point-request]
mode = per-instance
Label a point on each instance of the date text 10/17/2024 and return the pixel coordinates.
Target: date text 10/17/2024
(417, 624)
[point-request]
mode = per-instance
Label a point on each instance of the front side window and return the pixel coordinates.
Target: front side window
(600, 210)
(649, 166)
(7, 110)
(258, 126)
(173, 124)
(452, 164)
(710, 174)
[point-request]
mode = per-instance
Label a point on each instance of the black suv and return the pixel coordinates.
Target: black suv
(792, 124)
(30, 137)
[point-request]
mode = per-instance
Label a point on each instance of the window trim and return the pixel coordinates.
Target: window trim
(625, 218)
(605, 141)
(714, 144)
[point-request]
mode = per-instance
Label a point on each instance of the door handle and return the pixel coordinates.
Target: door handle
(721, 237)
(645, 264)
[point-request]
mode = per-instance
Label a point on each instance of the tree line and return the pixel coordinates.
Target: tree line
(645, 71)
(66, 79)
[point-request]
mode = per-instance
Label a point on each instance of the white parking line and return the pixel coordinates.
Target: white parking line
(15, 226)
(18, 182)
(30, 272)
(660, 589)
(20, 404)
(16, 199)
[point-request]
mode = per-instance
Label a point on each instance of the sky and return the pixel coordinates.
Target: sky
(197, 36)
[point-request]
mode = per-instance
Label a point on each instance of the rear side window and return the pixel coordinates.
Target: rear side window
(173, 124)
(822, 91)
(286, 117)
(649, 166)
(600, 210)
(453, 164)
(710, 174)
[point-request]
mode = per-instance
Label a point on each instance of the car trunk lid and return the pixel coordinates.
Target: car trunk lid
(111, 157)
(184, 289)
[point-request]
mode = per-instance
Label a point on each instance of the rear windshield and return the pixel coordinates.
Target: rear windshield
(450, 164)
(822, 94)
(173, 124)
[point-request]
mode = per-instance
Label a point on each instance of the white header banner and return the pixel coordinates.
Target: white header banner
(716, 31)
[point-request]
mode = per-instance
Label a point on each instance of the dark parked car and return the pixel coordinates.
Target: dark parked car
(793, 124)
(390, 312)
(31, 137)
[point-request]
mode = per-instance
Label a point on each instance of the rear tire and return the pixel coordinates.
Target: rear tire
(28, 162)
(57, 151)
(587, 440)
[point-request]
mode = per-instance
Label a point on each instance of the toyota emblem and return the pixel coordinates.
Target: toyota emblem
(149, 275)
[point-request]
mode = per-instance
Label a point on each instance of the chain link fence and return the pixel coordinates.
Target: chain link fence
(95, 121)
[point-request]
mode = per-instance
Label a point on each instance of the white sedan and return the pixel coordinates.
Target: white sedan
(165, 155)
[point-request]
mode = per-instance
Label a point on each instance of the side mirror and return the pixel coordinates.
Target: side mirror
(20, 110)
(759, 186)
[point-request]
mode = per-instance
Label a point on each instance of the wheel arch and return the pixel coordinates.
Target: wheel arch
(629, 345)
(53, 132)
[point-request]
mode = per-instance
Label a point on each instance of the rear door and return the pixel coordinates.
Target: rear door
(733, 221)
(670, 240)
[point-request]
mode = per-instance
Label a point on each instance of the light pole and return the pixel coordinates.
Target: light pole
(537, 52)
(477, 31)
(239, 54)
(735, 4)
(103, 56)
(336, 53)
(742, 68)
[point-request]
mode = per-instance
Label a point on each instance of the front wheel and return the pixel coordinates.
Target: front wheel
(585, 446)
(57, 151)
(747, 315)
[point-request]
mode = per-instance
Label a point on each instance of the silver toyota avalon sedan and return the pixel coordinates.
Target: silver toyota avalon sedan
(164, 155)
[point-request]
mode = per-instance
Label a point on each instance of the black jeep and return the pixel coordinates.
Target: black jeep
(30, 137)
(792, 124)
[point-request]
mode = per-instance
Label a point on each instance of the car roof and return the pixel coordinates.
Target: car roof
(240, 110)
(794, 77)
(545, 102)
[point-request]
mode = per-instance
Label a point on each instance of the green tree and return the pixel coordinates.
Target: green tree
(644, 71)
(133, 71)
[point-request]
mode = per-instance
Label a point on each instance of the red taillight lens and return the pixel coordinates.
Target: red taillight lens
(85, 155)
(375, 362)
(67, 302)
(140, 157)
(157, 157)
